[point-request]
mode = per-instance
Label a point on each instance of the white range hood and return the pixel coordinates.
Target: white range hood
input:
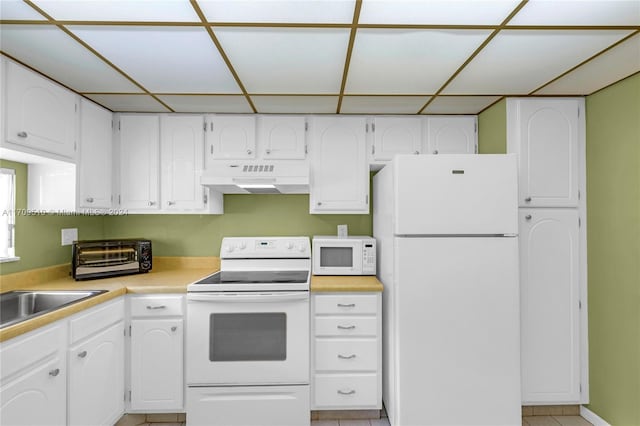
(258, 178)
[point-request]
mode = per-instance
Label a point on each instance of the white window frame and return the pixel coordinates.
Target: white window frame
(10, 211)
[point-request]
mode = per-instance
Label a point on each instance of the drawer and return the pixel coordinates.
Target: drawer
(346, 390)
(346, 326)
(346, 304)
(346, 355)
(157, 306)
(97, 318)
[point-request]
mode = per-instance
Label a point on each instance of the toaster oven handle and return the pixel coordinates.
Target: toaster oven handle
(248, 297)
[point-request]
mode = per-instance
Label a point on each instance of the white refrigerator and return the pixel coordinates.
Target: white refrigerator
(446, 228)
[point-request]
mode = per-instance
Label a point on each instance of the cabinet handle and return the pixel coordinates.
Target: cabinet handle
(211, 149)
(347, 305)
(54, 373)
(152, 203)
(89, 200)
(171, 203)
(528, 199)
(319, 203)
(352, 356)
(22, 134)
(249, 152)
(267, 151)
(416, 152)
(156, 307)
(349, 392)
(346, 327)
(174, 328)
(528, 217)
(435, 152)
(82, 354)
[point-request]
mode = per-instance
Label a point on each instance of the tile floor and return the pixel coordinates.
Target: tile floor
(554, 421)
(372, 422)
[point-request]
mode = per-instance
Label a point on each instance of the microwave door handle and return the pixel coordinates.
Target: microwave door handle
(251, 297)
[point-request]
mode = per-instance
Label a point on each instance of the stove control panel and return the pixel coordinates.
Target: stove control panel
(265, 247)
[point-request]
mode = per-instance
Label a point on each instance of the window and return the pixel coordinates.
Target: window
(7, 214)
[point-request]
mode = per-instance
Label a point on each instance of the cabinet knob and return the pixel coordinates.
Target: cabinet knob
(22, 134)
(82, 354)
(174, 328)
(416, 152)
(435, 152)
(55, 372)
(349, 392)
(171, 203)
(267, 151)
(528, 199)
(89, 200)
(152, 203)
(249, 152)
(319, 203)
(528, 217)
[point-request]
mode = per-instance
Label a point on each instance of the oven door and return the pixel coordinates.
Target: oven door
(248, 338)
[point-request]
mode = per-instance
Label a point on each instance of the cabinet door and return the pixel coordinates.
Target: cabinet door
(139, 158)
(182, 148)
(396, 135)
(452, 135)
(549, 305)
(231, 137)
(339, 174)
(545, 134)
(282, 137)
(40, 114)
(96, 378)
(95, 156)
(157, 381)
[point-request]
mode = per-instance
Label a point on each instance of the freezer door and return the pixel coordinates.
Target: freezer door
(455, 194)
(457, 325)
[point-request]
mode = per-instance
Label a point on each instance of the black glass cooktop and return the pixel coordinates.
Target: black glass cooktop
(250, 277)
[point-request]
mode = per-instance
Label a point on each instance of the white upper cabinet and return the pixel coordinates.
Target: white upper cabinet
(95, 160)
(139, 162)
(40, 115)
(339, 175)
(395, 135)
(452, 135)
(550, 305)
(182, 150)
(282, 137)
(547, 135)
(231, 137)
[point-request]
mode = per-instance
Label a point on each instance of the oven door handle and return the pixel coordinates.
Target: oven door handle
(248, 297)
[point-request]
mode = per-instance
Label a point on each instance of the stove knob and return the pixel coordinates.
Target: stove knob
(243, 245)
(289, 245)
(301, 248)
(229, 249)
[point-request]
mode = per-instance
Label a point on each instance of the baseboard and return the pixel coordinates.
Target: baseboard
(592, 417)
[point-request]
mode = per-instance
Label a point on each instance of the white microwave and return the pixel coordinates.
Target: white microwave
(334, 255)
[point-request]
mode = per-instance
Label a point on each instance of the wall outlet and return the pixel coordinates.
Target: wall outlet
(343, 231)
(69, 235)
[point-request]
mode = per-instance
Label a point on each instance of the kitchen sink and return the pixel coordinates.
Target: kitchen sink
(18, 306)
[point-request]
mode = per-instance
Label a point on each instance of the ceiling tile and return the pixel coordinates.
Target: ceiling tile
(616, 64)
(459, 104)
(382, 104)
(57, 55)
(299, 11)
(128, 103)
(583, 12)
(408, 61)
(17, 9)
(287, 60)
(517, 62)
(163, 59)
(120, 10)
(436, 12)
(296, 104)
(207, 103)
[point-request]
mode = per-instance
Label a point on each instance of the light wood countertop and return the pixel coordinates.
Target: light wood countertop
(335, 283)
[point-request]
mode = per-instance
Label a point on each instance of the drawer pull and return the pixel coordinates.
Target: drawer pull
(346, 305)
(352, 356)
(349, 392)
(22, 134)
(55, 372)
(82, 354)
(346, 327)
(156, 307)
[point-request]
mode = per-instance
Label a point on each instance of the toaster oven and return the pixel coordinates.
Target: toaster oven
(108, 258)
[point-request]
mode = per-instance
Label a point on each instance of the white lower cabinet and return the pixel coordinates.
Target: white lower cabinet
(346, 351)
(157, 348)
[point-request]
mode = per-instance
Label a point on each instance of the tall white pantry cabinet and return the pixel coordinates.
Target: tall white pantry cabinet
(548, 135)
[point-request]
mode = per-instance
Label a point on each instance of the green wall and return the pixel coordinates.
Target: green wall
(38, 237)
(613, 240)
(492, 129)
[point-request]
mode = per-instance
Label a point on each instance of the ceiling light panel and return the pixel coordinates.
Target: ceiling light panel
(296, 104)
(582, 12)
(57, 55)
(298, 11)
(516, 62)
(399, 62)
(207, 103)
(382, 104)
(611, 66)
(459, 104)
(120, 10)
(128, 103)
(287, 60)
(18, 10)
(163, 59)
(436, 12)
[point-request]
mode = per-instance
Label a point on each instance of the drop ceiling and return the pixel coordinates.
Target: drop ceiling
(323, 56)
